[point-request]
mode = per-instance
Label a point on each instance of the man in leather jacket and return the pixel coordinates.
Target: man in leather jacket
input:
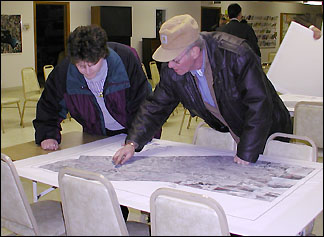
(217, 77)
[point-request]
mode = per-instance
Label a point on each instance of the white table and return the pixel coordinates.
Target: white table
(286, 215)
(290, 100)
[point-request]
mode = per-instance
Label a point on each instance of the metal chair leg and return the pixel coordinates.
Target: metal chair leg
(2, 126)
(22, 116)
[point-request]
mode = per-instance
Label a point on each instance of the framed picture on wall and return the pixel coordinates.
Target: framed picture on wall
(285, 19)
(11, 34)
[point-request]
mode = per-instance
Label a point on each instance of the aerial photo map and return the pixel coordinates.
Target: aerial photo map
(261, 180)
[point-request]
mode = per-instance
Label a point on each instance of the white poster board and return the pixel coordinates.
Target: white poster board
(298, 65)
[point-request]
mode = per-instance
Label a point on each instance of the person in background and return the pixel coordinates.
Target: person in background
(101, 84)
(244, 31)
(222, 21)
(217, 77)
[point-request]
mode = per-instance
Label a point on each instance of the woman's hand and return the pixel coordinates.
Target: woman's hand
(49, 144)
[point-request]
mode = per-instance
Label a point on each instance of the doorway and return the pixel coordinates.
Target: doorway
(210, 18)
(52, 27)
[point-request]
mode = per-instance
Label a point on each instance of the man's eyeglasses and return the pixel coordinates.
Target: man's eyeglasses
(178, 61)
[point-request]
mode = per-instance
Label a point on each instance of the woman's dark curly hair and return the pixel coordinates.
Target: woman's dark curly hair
(87, 43)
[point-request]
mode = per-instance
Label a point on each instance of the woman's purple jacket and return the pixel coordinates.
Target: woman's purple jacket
(66, 91)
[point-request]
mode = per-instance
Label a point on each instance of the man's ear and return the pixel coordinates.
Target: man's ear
(195, 51)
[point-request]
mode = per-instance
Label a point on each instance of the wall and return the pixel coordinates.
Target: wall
(143, 24)
(11, 64)
(267, 8)
(80, 14)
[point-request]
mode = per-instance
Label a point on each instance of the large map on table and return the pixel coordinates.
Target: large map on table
(261, 180)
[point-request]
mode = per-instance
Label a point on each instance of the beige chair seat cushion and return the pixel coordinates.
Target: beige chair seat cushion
(5, 101)
(137, 228)
(49, 217)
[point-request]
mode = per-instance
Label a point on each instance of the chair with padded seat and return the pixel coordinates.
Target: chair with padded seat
(308, 121)
(8, 101)
(91, 207)
(207, 136)
(300, 148)
(148, 79)
(31, 88)
(47, 70)
(154, 73)
(180, 213)
(18, 215)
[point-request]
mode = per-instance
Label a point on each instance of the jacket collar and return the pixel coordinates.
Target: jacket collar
(117, 77)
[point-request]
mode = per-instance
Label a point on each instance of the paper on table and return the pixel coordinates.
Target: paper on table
(298, 65)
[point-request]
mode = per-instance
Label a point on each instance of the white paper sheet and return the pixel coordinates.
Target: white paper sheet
(298, 65)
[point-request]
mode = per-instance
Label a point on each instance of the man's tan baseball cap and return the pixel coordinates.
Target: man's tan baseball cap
(176, 34)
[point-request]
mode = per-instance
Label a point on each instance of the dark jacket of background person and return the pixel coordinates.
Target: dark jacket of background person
(66, 91)
(244, 31)
(246, 98)
(222, 21)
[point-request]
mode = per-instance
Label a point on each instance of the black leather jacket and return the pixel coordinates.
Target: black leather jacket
(246, 98)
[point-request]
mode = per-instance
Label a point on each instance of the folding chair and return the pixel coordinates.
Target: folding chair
(31, 88)
(308, 121)
(298, 150)
(47, 70)
(7, 101)
(154, 73)
(17, 215)
(90, 206)
(207, 136)
(179, 213)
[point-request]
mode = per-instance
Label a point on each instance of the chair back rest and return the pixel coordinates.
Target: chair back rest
(154, 73)
(47, 70)
(179, 213)
(207, 136)
(30, 82)
(308, 121)
(298, 150)
(90, 205)
(16, 212)
(148, 79)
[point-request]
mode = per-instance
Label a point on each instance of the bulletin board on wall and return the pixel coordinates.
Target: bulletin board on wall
(265, 28)
(285, 20)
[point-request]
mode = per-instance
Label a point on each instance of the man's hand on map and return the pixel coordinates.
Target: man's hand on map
(49, 144)
(124, 154)
(240, 161)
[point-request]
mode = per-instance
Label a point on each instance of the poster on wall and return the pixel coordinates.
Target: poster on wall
(11, 34)
(265, 29)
